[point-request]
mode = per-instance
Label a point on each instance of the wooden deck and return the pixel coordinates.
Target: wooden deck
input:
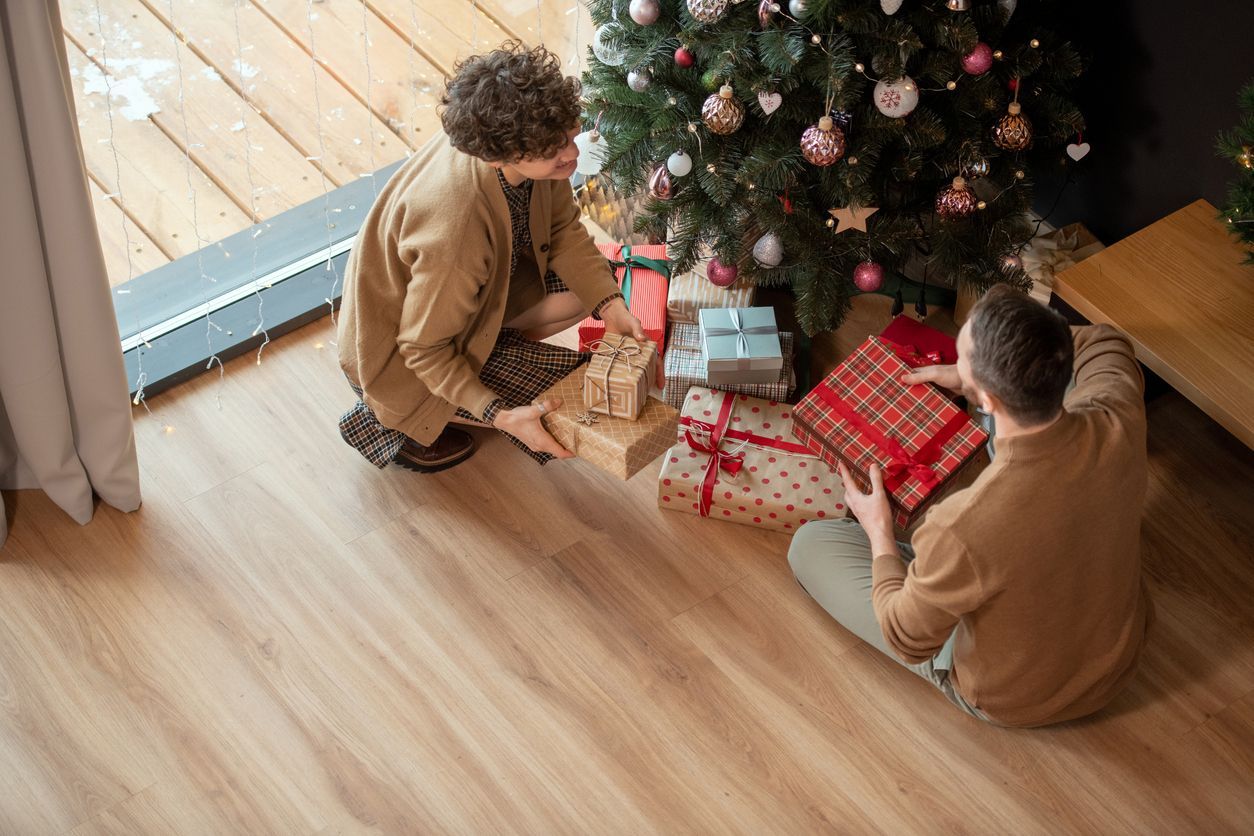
(247, 104)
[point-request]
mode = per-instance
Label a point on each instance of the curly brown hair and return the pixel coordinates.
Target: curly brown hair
(509, 104)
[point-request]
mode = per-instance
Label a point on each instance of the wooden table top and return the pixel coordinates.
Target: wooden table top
(1180, 290)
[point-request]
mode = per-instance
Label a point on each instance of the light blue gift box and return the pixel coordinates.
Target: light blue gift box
(740, 345)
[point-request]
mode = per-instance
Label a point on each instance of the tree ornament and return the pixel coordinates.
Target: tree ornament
(769, 250)
(1008, 6)
(684, 57)
(958, 5)
(955, 201)
(769, 102)
(797, 8)
(896, 99)
(852, 217)
(979, 60)
(644, 12)
(823, 144)
(868, 276)
(1079, 150)
(1010, 264)
(679, 163)
(975, 168)
(707, 11)
(592, 150)
(710, 80)
(767, 9)
(660, 186)
(890, 7)
(603, 49)
(720, 274)
(722, 113)
(640, 79)
(1013, 132)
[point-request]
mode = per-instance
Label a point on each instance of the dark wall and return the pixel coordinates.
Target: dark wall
(1162, 84)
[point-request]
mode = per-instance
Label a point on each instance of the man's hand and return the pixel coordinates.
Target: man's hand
(523, 423)
(945, 377)
(871, 509)
(619, 320)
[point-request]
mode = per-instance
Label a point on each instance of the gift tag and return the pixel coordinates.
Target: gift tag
(1078, 150)
(770, 102)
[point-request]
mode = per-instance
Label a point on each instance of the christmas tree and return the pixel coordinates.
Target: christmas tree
(770, 132)
(1238, 144)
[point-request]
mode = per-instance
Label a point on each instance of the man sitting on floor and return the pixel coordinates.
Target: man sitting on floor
(1022, 599)
(467, 258)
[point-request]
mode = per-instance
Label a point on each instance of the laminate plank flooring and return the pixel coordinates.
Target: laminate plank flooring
(286, 640)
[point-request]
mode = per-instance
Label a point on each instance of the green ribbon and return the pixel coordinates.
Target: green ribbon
(629, 261)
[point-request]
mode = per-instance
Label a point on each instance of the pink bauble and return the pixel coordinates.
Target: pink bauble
(979, 60)
(720, 274)
(868, 277)
(684, 57)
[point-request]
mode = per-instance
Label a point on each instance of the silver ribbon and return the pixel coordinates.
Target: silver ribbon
(741, 333)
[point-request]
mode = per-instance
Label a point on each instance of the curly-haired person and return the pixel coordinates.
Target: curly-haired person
(472, 253)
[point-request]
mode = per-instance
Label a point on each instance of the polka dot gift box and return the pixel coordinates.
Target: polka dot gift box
(737, 461)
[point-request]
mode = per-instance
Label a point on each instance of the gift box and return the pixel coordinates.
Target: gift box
(685, 368)
(615, 445)
(740, 345)
(920, 345)
(619, 375)
(735, 461)
(643, 274)
(863, 414)
(1049, 254)
(692, 291)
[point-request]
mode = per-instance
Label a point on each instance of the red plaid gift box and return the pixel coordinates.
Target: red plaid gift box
(920, 345)
(735, 462)
(863, 414)
(644, 288)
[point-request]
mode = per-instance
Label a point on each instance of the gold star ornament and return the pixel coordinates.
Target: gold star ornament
(852, 217)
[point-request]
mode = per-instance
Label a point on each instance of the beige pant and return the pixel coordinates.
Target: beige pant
(832, 561)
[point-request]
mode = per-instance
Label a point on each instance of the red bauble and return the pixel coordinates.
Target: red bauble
(979, 60)
(868, 276)
(684, 57)
(720, 274)
(1012, 85)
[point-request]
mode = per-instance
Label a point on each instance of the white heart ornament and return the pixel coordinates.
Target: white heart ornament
(890, 7)
(1079, 151)
(770, 102)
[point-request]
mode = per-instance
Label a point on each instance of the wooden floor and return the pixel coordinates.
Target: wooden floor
(232, 115)
(285, 640)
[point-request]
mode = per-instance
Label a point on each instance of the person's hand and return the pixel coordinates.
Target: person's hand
(871, 509)
(619, 320)
(523, 423)
(945, 377)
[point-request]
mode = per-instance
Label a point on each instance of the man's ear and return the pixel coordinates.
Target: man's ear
(987, 401)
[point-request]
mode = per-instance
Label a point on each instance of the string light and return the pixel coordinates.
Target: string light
(322, 166)
(365, 48)
(210, 325)
(252, 191)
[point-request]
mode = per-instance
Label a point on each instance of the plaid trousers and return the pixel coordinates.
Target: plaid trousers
(519, 370)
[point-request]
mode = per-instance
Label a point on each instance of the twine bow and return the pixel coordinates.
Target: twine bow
(629, 261)
(628, 353)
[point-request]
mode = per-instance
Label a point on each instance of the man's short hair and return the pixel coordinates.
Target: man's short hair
(1022, 353)
(509, 104)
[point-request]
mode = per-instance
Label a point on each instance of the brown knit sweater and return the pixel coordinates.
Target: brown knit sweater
(1038, 563)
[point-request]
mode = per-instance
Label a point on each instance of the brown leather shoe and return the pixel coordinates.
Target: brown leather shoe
(452, 447)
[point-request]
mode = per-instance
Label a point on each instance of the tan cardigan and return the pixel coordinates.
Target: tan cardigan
(428, 277)
(1038, 563)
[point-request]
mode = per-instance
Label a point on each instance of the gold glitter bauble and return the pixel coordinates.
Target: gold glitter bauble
(721, 112)
(1013, 132)
(823, 144)
(707, 11)
(955, 201)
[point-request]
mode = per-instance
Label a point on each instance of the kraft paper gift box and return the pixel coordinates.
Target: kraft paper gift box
(1050, 253)
(692, 291)
(740, 345)
(685, 368)
(918, 344)
(863, 414)
(736, 461)
(643, 274)
(615, 445)
(619, 375)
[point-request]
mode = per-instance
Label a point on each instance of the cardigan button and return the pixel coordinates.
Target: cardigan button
(544, 248)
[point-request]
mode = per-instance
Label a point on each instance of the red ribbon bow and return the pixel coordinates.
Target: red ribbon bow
(911, 356)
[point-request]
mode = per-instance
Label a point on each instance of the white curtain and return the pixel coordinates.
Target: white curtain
(65, 416)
